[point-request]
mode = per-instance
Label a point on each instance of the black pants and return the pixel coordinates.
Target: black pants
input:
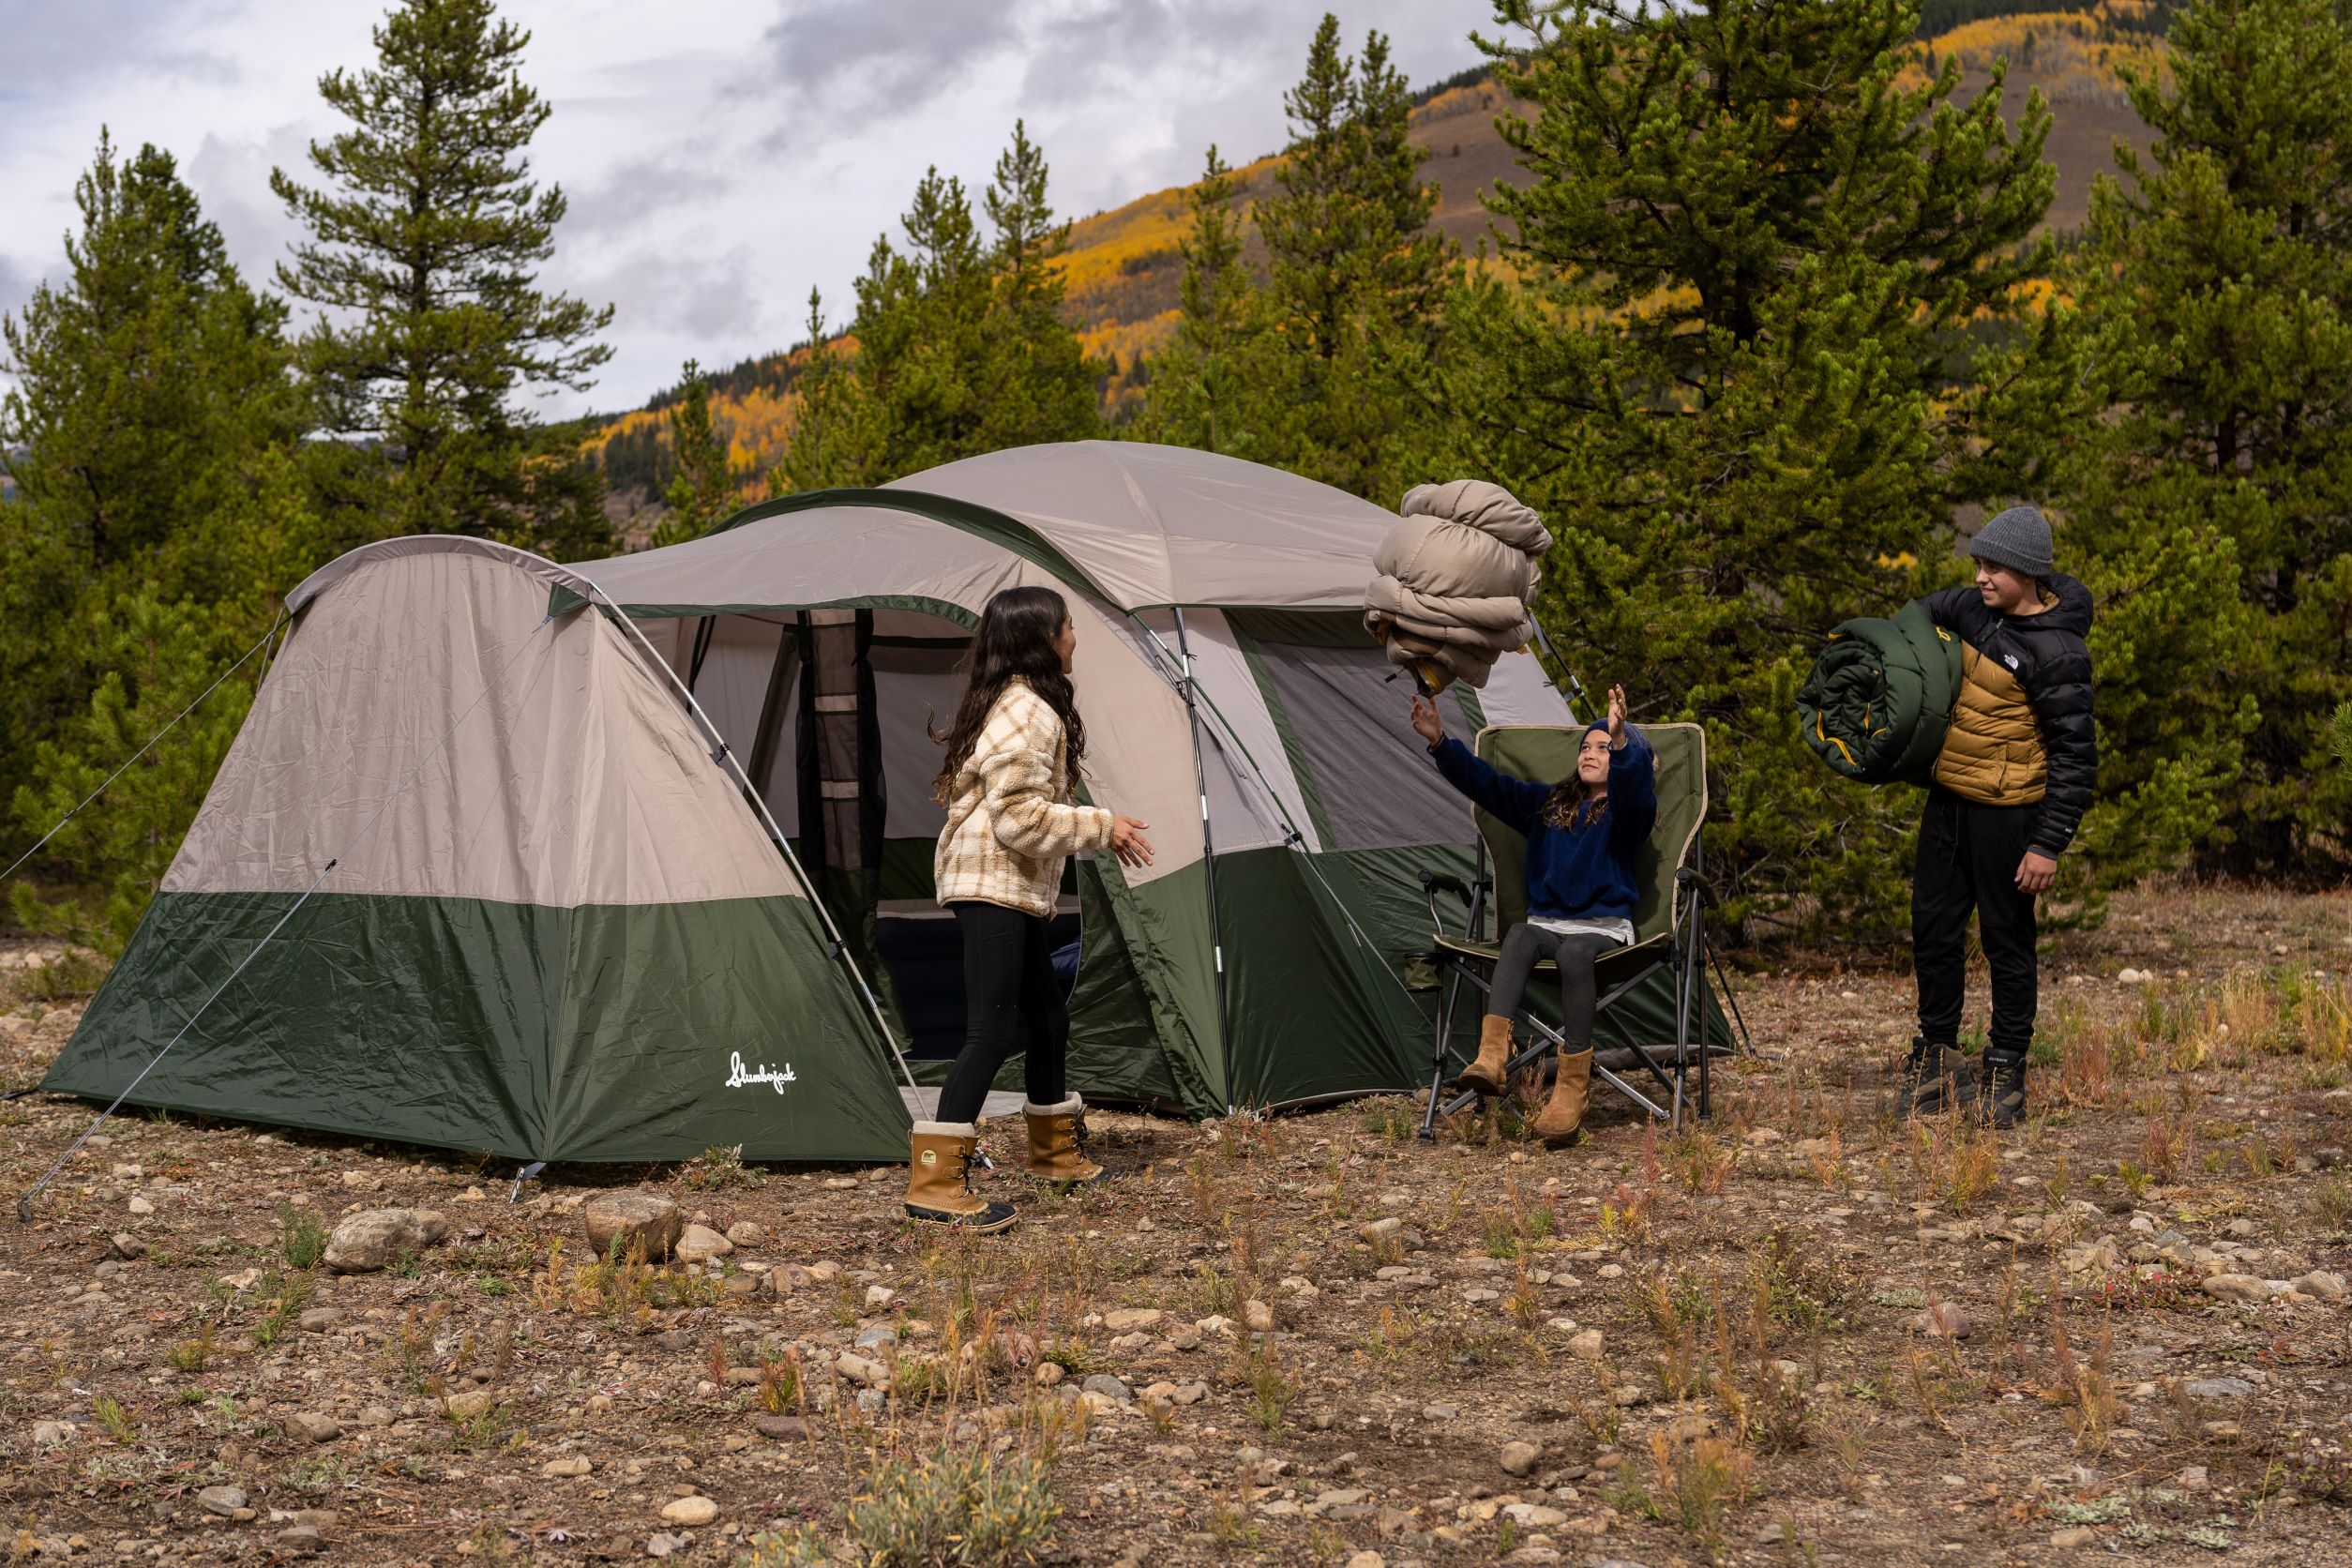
(1009, 974)
(1525, 946)
(1967, 861)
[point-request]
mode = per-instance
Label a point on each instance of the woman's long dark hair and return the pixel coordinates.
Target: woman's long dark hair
(1014, 640)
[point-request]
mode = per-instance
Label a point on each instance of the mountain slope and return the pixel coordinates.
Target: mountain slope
(1121, 270)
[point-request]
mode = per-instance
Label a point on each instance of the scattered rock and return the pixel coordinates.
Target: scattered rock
(2217, 1388)
(690, 1511)
(139, 1205)
(223, 1501)
(662, 1544)
(126, 1245)
(881, 1336)
(2077, 1535)
(313, 1426)
(1943, 1320)
(1257, 1316)
(700, 1244)
(638, 1219)
(2239, 1288)
(1586, 1345)
(879, 1297)
(52, 1434)
(318, 1319)
(2123, 977)
(783, 1428)
(1132, 1320)
(2321, 1283)
(470, 1405)
(560, 1469)
(1049, 1373)
(301, 1538)
(1368, 1560)
(857, 1369)
(747, 1232)
(2194, 1479)
(1188, 1394)
(372, 1238)
(1381, 1229)
(1108, 1387)
(1519, 1458)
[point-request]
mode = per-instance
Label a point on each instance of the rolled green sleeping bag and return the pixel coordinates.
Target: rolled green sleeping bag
(1879, 698)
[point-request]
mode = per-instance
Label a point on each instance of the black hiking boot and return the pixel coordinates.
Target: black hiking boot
(2003, 1102)
(1935, 1078)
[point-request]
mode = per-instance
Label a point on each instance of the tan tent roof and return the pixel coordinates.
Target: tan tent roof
(1139, 526)
(1153, 525)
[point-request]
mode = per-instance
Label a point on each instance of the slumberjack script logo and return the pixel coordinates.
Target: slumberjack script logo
(739, 1075)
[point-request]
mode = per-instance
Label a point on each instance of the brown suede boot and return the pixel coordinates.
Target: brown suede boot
(1563, 1113)
(1488, 1075)
(939, 1180)
(1057, 1139)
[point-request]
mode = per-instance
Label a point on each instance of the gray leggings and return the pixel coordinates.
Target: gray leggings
(1525, 946)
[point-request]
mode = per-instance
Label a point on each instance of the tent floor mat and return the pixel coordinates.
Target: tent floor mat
(922, 1103)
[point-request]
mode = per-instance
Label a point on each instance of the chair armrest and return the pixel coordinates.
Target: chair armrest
(1440, 882)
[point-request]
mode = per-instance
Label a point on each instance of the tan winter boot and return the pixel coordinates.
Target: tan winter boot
(1488, 1074)
(1057, 1142)
(1563, 1113)
(939, 1180)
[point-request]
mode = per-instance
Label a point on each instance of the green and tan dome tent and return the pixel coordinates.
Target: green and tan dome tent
(1262, 960)
(517, 906)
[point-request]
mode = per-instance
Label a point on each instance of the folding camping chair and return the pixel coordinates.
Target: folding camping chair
(1670, 926)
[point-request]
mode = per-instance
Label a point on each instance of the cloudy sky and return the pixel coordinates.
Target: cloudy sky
(721, 156)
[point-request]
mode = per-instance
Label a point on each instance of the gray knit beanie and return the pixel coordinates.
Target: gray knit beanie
(2018, 538)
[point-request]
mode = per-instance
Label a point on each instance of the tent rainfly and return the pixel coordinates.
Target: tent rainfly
(553, 929)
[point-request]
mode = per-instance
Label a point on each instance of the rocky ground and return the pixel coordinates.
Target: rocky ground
(1798, 1335)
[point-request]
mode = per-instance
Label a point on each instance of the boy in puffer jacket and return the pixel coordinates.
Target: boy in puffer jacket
(2011, 783)
(1455, 576)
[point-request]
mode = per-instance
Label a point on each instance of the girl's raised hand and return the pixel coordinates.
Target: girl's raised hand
(1426, 723)
(1128, 843)
(1617, 715)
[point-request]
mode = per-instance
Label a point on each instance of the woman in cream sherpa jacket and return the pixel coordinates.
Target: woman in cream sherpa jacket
(1013, 750)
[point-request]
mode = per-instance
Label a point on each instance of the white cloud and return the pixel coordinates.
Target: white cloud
(721, 156)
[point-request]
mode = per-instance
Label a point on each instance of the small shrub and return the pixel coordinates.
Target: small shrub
(116, 1420)
(190, 1355)
(720, 1167)
(301, 1235)
(957, 1507)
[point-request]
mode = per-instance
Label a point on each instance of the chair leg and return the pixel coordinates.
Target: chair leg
(1441, 1054)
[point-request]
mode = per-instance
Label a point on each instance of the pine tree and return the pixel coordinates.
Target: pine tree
(150, 438)
(1209, 389)
(960, 348)
(702, 490)
(425, 241)
(162, 508)
(1741, 384)
(1036, 383)
(2213, 491)
(1356, 277)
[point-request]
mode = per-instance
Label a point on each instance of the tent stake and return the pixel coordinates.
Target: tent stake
(725, 757)
(525, 1174)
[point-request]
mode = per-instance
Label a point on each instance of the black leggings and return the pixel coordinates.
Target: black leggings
(1527, 945)
(1008, 972)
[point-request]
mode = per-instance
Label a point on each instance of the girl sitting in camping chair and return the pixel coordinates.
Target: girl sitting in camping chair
(1582, 834)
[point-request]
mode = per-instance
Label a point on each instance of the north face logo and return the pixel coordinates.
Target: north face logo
(2010, 659)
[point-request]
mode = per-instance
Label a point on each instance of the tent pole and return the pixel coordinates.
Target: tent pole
(1295, 838)
(724, 755)
(1208, 855)
(1570, 688)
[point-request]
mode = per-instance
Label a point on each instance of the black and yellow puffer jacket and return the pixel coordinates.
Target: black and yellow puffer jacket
(2021, 731)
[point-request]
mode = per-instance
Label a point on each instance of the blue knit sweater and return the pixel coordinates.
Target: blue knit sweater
(1573, 873)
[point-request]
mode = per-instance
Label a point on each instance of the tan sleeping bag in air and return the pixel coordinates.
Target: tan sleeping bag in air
(1455, 575)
